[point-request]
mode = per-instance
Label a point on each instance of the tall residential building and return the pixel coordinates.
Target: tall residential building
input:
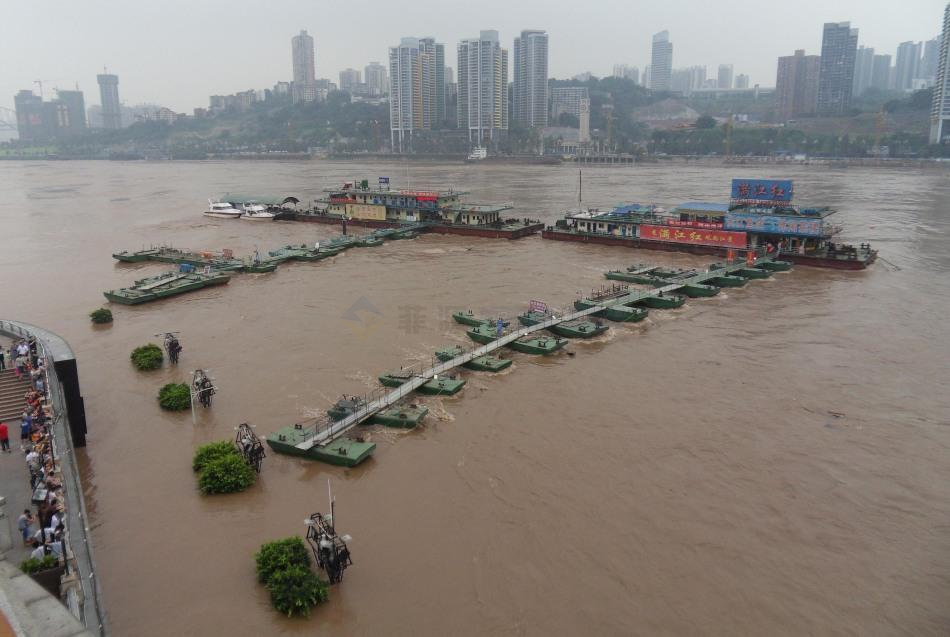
(928, 63)
(436, 103)
(449, 76)
(724, 77)
(647, 75)
(482, 88)
(679, 81)
(627, 72)
(377, 80)
(940, 109)
(742, 81)
(58, 118)
(839, 44)
(661, 62)
(687, 80)
(905, 67)
(29, 116)
(411, 99)
(109, 98)
(304, 74)
(69, 110)
(530, 89)
(567, 99)
(349, 80)
(863, 70)
(881, 72)
(796, 85)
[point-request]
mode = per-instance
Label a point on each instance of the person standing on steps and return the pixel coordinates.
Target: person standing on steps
(25, 523)
(25, 426)
(3, 362)
(4, 437)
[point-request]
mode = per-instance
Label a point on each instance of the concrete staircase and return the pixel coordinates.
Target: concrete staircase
(12, 392)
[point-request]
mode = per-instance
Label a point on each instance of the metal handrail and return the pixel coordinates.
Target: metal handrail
(89, 587)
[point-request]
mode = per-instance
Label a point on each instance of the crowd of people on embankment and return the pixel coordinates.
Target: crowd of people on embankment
(42, 524)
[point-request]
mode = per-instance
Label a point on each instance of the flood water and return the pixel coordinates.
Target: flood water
(772, 461)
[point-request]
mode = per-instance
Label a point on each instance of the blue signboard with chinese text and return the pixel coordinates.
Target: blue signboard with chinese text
(773, 224)
(777, 190)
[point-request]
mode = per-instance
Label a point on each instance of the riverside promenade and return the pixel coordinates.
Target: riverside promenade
(26, 607)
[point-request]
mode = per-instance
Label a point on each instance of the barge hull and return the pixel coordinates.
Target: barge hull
(667, 246)
(469, 231)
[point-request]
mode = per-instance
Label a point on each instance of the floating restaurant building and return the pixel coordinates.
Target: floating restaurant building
(760, 213)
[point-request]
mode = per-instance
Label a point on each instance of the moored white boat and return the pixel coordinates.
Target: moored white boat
(222, 210)
(256, 212)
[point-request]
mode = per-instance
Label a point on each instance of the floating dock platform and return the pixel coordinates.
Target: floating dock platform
(321, 440)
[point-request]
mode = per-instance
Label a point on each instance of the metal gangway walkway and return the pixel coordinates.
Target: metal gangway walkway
(335, 429)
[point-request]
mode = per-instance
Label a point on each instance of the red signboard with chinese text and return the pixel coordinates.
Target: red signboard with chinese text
(419, 194)
(693, 235)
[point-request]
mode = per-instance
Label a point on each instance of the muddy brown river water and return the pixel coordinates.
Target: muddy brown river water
(772, 461)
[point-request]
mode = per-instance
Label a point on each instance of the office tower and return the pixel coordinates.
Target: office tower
(863, 70)
(940, 108)
(109, 98)
(881, 72)
(349, 80)
(304, 75)
(796, 84)
(647, 75)
(661, 62)
(482, 73)
(742, 81)
(530, 88)
(839, 44)
(928, 63)
(905, 67)
(724, 77)
(435, 78)
(377, 80)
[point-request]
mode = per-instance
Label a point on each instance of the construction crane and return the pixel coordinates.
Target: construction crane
(40, 83)
(7, 119)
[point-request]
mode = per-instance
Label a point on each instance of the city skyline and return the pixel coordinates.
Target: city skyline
(80, 42)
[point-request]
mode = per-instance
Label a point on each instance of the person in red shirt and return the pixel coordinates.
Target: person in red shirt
(4, 437)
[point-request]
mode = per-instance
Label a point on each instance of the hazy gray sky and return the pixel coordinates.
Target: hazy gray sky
(178, 52)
